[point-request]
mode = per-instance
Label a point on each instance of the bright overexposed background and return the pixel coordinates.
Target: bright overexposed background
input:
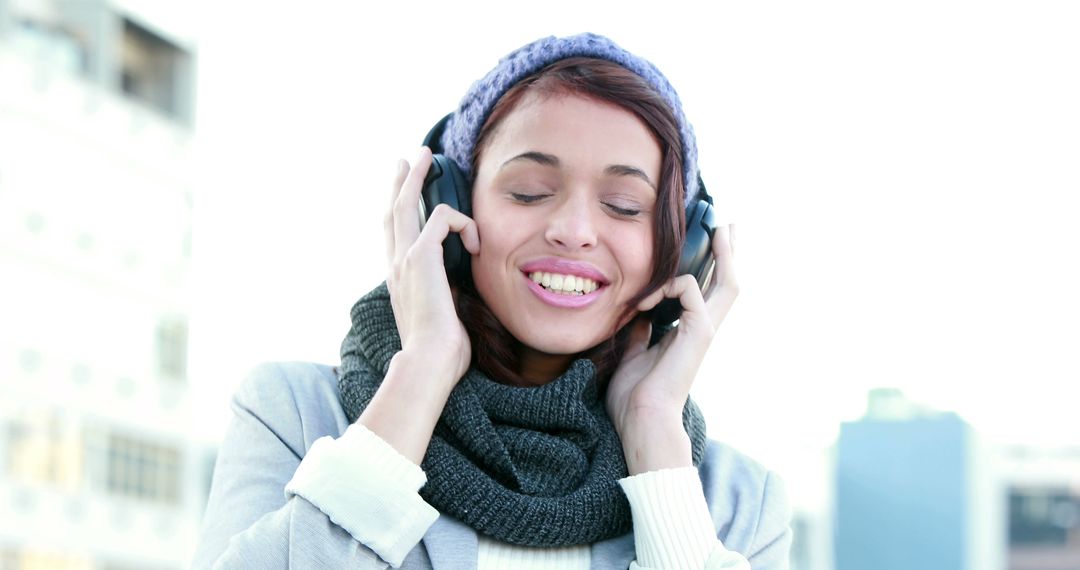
(903, 175)
(188, 189)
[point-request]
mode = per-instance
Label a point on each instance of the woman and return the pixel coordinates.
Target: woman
(516, 415)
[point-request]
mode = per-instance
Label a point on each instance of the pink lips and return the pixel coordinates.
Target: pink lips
(565, 267)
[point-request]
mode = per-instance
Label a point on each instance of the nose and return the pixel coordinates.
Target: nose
(572, 225)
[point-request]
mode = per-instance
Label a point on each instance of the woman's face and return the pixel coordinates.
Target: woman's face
(564, 194)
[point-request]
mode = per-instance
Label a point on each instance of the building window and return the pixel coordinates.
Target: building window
(43, 447)
(33, 558)
(48, 43)
(35, 222)
(130, 259)
(124, 386)
(115, 565)
(84, 241)
(30, 360)
(80, 374)
(151, 69)
(1042, 516)
(186, 247)
(9, 558)
(172, 341)
(143, 470)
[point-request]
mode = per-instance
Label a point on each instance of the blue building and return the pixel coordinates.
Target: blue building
(913, 491)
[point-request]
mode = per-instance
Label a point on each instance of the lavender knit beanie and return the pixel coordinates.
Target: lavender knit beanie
(463, 129)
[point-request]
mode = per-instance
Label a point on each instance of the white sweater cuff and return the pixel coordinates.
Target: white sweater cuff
(367, 488)
(672, 524)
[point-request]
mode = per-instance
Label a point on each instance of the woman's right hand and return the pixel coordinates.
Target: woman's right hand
(420, 293)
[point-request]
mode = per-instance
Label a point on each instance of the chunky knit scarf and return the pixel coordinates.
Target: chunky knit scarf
(528, 466)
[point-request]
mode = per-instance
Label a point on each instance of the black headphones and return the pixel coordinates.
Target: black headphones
(445, 184)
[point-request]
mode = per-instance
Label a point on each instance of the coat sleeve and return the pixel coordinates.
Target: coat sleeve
(770, 548)
(252, 522)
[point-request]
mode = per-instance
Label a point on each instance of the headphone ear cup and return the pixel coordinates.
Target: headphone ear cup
(445, 184)
(696, 259)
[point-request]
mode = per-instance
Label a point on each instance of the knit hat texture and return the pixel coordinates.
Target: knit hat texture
(464, 126)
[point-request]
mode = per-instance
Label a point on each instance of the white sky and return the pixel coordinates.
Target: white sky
(904, 178)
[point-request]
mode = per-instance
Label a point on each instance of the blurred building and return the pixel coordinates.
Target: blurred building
(811, 539)
(1043, 487)
(915, 489)
(96, 113)
(808, 475)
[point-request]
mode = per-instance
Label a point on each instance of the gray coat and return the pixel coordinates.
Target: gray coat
(281, 409)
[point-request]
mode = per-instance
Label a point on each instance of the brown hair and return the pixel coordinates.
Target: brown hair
(607, 82)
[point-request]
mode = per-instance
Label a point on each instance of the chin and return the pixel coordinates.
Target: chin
(561, 345)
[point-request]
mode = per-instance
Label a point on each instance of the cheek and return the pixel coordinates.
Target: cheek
(496, 234)
(490, 217)
(498, 238)
(634, 251)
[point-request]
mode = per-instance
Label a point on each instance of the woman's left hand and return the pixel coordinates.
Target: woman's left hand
(649, 389)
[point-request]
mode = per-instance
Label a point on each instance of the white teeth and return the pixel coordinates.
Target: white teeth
(565, 284)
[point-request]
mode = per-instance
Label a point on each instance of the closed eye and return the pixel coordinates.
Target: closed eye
(527, 198)
(628, 212)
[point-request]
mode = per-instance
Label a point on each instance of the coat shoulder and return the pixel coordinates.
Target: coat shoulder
(299, 399)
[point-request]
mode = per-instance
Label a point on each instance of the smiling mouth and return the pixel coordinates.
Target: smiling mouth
(562, 284)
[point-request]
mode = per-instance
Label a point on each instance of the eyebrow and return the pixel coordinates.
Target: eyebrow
(537, 157)
(545, 159)
(624, 170)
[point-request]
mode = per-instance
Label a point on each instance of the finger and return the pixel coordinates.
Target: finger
(723, 268)
(695, 316)
(388, 219)
(400, 172)
(444, 220)
(406, 217)
(652, 300)
(724, 287)
(685, 288)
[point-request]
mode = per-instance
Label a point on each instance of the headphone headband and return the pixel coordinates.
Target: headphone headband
(433, 140)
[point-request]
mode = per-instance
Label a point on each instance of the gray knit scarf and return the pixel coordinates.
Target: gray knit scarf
(528, 466)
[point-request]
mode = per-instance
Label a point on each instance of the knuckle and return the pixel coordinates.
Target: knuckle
(401, 206)
(442, 211)
(400, 176)
(414, 254)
